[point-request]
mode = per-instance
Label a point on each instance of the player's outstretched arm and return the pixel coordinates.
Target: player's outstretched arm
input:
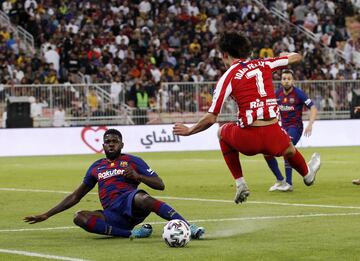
(66, 203)
(312, 118)
(292, 57)
(204, 123)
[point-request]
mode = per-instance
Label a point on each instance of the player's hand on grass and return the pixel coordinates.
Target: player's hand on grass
(35, 219)
(181, 129)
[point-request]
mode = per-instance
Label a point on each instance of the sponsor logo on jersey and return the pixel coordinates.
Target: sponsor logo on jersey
(256, 104)
(286, 108)
(271, 102)
(110, 173)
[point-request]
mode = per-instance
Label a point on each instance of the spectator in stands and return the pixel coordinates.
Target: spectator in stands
(59, 117)
(98, 112)
(116, 89)
(109, 111)
(327, 103)
(266, 51)
(299, 12)
(78, 30)
(92, 100)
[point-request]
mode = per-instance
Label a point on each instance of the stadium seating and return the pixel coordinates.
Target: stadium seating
(172, 41)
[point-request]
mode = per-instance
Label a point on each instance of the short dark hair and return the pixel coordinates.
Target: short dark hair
(287, 71)
(114, 132)
(235, 44)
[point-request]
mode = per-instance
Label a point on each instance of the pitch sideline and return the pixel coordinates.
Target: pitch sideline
(202, 221)
(33, 254)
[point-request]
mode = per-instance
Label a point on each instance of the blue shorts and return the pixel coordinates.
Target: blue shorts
(120, 214)
(294, 133)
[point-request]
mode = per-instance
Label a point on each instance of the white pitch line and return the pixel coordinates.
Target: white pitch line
(26, 253)
(41, 191)
(205, 220)
(261, 202)
(37, 229)
(198, 199)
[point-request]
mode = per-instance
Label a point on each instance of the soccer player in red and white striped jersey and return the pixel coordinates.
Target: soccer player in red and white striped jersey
(249, 83)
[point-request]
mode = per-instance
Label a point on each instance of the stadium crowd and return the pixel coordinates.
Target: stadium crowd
(143, 43)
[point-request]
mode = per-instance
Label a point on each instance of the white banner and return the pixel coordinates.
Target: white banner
(147, 138)
(332, 133)
(87, 140)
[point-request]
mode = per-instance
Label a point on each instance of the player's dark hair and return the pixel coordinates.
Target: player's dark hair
(114, 132)
(287, 71)
(235, 44)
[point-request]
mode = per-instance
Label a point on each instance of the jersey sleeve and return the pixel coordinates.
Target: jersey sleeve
(142, 168)
(277, 63)
(305, 99)
(222, 90)
(89, 179)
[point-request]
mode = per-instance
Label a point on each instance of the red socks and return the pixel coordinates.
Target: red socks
(298, 163)
(232, 160)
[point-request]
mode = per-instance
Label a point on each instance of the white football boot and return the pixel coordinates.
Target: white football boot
(285, 187)
(313, 166)
(277, 184)
(242, 192)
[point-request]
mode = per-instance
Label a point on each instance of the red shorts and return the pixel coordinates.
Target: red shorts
(269, 140)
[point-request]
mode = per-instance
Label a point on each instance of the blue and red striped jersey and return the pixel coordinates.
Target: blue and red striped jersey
(291, 106)
(108, 174)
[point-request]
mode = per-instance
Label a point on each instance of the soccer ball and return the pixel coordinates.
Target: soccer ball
(176, 233)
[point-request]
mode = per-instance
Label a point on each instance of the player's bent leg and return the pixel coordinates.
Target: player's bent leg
(82, 217)
(94, 222)
(273, 165)
(295, 159)
(297, 162)
(313, 166)
(143, 202)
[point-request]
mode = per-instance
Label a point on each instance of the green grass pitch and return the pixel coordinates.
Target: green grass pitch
(321, 222)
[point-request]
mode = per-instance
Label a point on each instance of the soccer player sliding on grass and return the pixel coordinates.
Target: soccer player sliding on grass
(118, 176)
(249, 83)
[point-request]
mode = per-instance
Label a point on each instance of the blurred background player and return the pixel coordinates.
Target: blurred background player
(291, 101)
(118, 176)
(249, 83)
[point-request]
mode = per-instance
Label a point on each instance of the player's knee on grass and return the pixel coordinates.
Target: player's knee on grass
(80, 218)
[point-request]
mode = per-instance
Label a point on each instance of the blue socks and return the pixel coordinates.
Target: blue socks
(288, 172)
(166, 212)
(273, 165)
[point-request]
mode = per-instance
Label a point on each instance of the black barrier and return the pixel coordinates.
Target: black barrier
(18, 113)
